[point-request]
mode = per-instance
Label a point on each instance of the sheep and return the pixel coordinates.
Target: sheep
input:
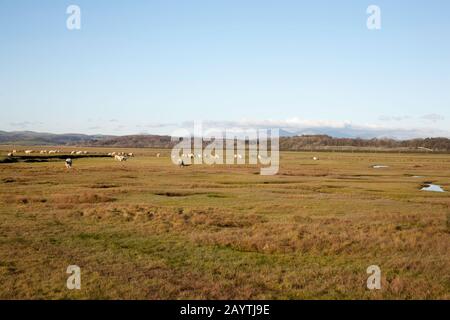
(52, 151)
(158, 155)
(315, 158)
(68, 163)
(120, 158)
(72, 152)
(131, 154)
(79, 152)
(43, 151)
(28, 151)
(85, 152)
(10, 154)
(14, 151)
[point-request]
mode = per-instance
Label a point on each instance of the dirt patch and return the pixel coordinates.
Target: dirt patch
(82, 198)
(103, 186)
(177, 194)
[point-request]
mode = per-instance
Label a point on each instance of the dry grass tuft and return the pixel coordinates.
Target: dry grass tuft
(85, 197)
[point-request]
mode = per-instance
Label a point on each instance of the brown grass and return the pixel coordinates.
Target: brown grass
(148, 229)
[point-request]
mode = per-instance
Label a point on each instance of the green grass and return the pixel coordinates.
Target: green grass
(146, 229)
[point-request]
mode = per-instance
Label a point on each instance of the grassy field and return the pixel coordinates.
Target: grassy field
(147, 229)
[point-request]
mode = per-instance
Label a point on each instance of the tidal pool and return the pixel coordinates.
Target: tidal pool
(379, 166)
(432, 187)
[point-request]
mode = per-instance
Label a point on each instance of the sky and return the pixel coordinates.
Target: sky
(152, 66)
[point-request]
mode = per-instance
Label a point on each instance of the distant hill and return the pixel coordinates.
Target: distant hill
(40, 138)
(133, 141)
(293, 143)
(306, 142)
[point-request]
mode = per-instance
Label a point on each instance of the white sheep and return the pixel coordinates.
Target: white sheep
(68, 163)
(120, 158)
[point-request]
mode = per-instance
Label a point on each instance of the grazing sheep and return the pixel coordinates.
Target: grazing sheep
(85, 152)
(120, 158)
(52, 151)
(131, 154)
(79, 152)
(158, 155)
(28, 151)
(10, 154)
(315, 158)
(68, 163)
(72, 152)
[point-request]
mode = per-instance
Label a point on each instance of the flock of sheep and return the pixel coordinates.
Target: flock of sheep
(12, 153)
(123, 156)
(119, 156)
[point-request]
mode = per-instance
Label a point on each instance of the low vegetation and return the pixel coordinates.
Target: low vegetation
(147, 229)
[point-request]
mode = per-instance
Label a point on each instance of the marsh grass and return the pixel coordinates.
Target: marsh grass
(148, 229)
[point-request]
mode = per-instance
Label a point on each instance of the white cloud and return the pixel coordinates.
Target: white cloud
(297, 126)
(393, 118)
(433, 117)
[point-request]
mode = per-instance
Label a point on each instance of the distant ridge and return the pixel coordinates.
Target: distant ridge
(293, 143)
(43, 138)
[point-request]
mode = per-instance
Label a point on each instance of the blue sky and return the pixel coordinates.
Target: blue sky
(137, 66)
